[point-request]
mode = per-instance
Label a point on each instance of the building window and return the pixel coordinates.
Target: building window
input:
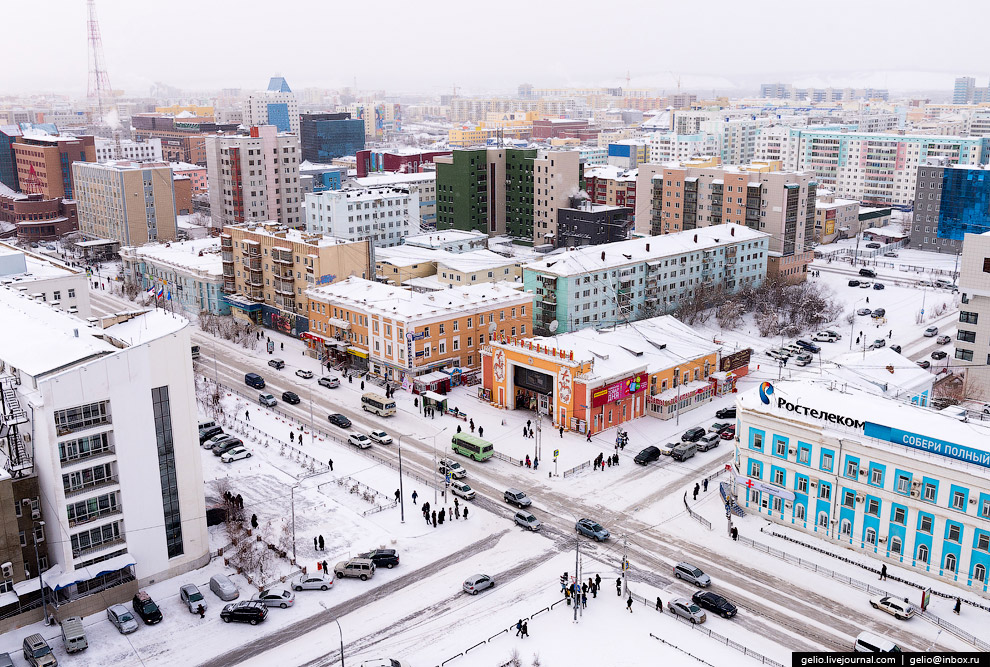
(83, 416)
(903, 484)
(930, 492)
(779, 446)
(802, 484)
(849, 499)
(778, 477)
(827, 462)
(871, 536)
(873, 507)
(983, 542)
(980, 573)
(876, 477)
(950, 562)
(895, 545)
(804, 455)
(799, 512)
(824, 491)
(166, 468)
(958, 500)
(923, 553)
(823, 520)
(846, 527)
(899, 515)
(757, 437)
(852, 469)
(754, 469)
(926, 524)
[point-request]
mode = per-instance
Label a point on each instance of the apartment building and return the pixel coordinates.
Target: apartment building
(399, 334)
(835, 218)
(384, 216)
(183, 139)
(950, 202)
(198, 179)
(587, 223)
(255, 177)
(611, 185)
(267, 268)
(111, 413)
(640, 278)
(972, 344)
(781, 204)
(130, 202)
(45, 279)
(403, 160)
(191, 271)
(452, 240)
(149, 150)
(423, 186)
(276, 106)
(670, 147)
(556, 178)
(325, 136)
(44, 163)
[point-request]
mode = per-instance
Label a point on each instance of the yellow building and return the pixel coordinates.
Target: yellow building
(478, 135)
(176, 109)
(130, 202)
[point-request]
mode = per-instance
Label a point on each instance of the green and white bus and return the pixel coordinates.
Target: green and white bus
(378, 404)
(472, 446)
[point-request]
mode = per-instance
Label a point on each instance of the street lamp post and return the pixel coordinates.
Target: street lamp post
(339, 631)
(402, 495)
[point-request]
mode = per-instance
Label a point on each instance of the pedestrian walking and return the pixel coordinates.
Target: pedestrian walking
(584, 600)
(589, 436)
(867, 299)
(283, 346)
(561, 431)
(618, 586)
(434, 518)
(563, 582)
(414, 495)
(201, 610)
(529, 423)
(397, 495)
(704, 485)
(316, 544)
(247, 415)
(525, 629)
(443, 514)
(362, 385)
(594, 590)
(598, 580)
(426, 514)
(292, 436)
(958, 606)
(659, 605)
(457, 512)
(518, 627)
(610, 462)
(471, 423)
(326, 568)
(883, 572)
(322, 544)
(465, 513)
(528, 462)
(735, 533)
(697, 487)
(536, 463)
(584, 588)
(629, 604)
(481, 432)
(525, 432)
(890, 334)
(458, 428)
(331, 464)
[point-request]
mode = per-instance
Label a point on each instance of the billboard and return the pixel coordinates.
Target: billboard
(740, 359)
(618, 390)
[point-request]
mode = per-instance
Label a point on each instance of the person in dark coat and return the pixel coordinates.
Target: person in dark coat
(443, 514)
(434, 518)
(471, 424)
(331, 465)
(316, 544)
(518, 627)
(883, 572)
(201, 610)
(247, 415)
(629, 604)
(414, 496)
(704, 485)
(396, 495)
(465, 513)
(525, 629)
(561, 431)
(697, 487)
(481, 432)
(525, 432)
(326, 568)
(958, 606)
(362, 385)
(458, 428)
(618, 586)
(322, 545)
(659, 605)
(584, 600)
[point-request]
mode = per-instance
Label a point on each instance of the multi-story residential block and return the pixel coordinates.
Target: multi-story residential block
(489, 133)
(587, 223)
(973, 331)
(779, 143)
(453, 240)
(276, 106)
(45, 279)
(423, 185)
(640, 278)
(669, 147)
(835, 218)
(198, 178)
(44, 163)
(23, 532)
(268, 267)
(149, 150)
(897, 482)
(400, 334)
(36, 217)
(111, 411)
(183, 139)
(255, 177)
(403, 160)
(383, 216)
(130, 202)
(186, 110)
(475, 267)
(611, 185)
(962, 92)
(191, 271)
(556, 176)
(776, 91)
(950, 201)
(782, 204)
(325, 136)
(557, 127)
(628, 153)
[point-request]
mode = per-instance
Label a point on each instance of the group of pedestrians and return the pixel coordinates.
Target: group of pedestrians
(319, 544)
(601, 460)
(432, 517)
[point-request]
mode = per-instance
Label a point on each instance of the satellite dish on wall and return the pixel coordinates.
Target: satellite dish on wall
(492, 327)
(554, 325)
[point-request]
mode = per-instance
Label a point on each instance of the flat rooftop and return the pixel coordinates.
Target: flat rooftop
(197, 254)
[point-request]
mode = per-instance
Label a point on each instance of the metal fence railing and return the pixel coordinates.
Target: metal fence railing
(577, 468)
(694, 515)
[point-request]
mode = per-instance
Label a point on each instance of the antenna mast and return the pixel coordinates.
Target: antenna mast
(99, 81)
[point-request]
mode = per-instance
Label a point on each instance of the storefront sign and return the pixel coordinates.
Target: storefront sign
(815, 413)
(618, 390)
(750, 483)
(731, 362)
(928, 444)
(410, 336)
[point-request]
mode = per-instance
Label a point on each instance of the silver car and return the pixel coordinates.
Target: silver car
(687, 609)
(190, 596)
(276, 598)
(313, 581)
(477, 583)
(122, 619)
(527, 521)
(691, 574)
(223, 587)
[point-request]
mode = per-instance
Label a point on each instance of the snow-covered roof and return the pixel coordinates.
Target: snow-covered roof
(276, 230)
(440, 238)
(35, 265)
(474, 260)
(611, 172)
(880, 371)
(397, 302)
(884, 231)
(147, 327)
(393, 178)
(588, 259)
(835, 203)
(403, 255)
(183, 254)
(185, 166)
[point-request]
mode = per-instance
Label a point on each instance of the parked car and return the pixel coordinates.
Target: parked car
(249, 611)
(943, 340)
(896, 348)
(527, 520)
(794, 349)
(878, 313)
(217, 439)
(833, 332)
(825, 336)
(477, 583)
(592, 529)
(931, 332)
(938, 355)
(924, 363)
(146, 608)
(312, 582)
(683, 451)
(254, 380)
(854, 283)
(359, 440)
(691, 574)
(381, 437)
(810, 347)
(290, 397)
(382, 662)
(122, 619)
(222, 448)
(943, 283)
(864, 311)
(329, 382)
(224, 588)
(517, 498)
(715, 602)
(878, 343)
(276, 597)
(803, 359)
(455, 469)
(305, 374)
(360, 568)
(267, 400)
(235, 454)
(190, 596)
(209, 432)
(878, 286)
(890, 253)
(864, 285)
(728, 434)
(277, 364)
(896, 607)
(693, 434)
(725, 413)
(74, 635)
(387, 558)
(686, 609)
(463, 490)
(709, 441)
(339, 420)
(872, 246)
(778, 355)
(37, 652)
(648, 455)
(718, 427)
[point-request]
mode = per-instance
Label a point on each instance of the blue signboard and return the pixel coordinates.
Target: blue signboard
(928, 444)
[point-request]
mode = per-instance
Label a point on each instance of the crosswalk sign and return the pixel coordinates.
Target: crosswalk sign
(447, 477)
(556, 453)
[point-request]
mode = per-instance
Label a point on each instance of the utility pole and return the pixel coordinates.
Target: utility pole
(539, 433)
(402, 495)
(577, 577)
(293, 501)
(625, 568)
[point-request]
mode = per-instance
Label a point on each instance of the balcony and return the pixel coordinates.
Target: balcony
(255, 293)
(228, 269)
(282, 255)
(284, 287)
(226, 242)
(86, 456)
(254, 279)
(549, 298)
(227, 256)
(252, 263)
(78, 553)
(285, 302)
(91, 485)
(79, 521)
(229, 284)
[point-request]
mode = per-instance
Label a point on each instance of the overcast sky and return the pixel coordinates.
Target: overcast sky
(405, 46)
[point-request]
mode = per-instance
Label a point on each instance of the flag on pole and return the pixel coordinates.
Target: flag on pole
(151, 292)
(170, 295)
(161, 291)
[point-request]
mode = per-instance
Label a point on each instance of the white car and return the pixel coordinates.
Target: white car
(899, 609)
(312, 581)
(461, 489)
(381, 437)
(236, 454)
(359, 440)
(303, 373)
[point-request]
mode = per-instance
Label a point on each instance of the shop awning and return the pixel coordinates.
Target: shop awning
(55, 579)
(357, 352)
(430, 378)
(26, 587)
(340, 324)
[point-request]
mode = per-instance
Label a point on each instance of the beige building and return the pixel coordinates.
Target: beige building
(398, 264)
(835, 218)
(556, 177)
(130, 202)
(477, 266)
(268, 267)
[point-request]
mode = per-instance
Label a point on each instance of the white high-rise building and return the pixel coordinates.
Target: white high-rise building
(255, 177)
(276, 106)
(385, 216)
(670, 147)
(149, 150)
(111, 413)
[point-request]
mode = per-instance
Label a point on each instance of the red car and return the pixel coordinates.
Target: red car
(729, 433)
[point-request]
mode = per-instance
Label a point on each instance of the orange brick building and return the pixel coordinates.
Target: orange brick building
(44, 163)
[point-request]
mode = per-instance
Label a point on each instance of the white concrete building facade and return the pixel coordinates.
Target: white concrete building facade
(149, 150)
(384, 216)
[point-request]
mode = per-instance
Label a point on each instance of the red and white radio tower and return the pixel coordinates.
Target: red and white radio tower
(99, 82)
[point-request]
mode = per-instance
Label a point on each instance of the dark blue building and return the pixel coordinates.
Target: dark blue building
(325, 136)
(950, 202)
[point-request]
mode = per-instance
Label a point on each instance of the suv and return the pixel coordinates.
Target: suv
(686, 450)
(869, 273)
(328, 382)
(693, 434)
(715, 602)
(901, 610)
(37, 652)
(931, 332)
(382, 557)
(527, 521)
(190, 596)
(709, 441)
(726, 413)
(359, 440)
(824, 337)
(691, 574)
(854, 283)
(810, 347)
(873, 246)
(267, 400)
(648, 455)
(592, 529)
(226, 446)
(254, 380)
(943, 340)
(463, 490)
(208, 432)
(455, 469)
(146, 608)
(277, 364)
(249, 611)
(290, 397)
(362, 568)
(517, 498)
(878, 313)
(218, 439)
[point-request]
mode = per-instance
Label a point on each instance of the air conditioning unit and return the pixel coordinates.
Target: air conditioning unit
(792, 450)
(883, 539)
(27, 437)
(859, 499)
(36, 514)
(916, 484)
(915, 493)
(862, 472)
(7, 569)
(972, 501)
(788, 504)
(814, 481)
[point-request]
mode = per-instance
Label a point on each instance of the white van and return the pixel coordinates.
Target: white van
(867, 642)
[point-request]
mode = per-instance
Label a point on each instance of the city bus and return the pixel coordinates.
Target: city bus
(472, 446)
(378, 404)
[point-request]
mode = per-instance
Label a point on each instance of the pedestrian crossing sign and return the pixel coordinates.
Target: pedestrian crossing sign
(556, 453)
(447, 476)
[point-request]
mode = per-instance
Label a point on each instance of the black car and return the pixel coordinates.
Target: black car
(726, 413)
(693, 434)
(249, 611)
(290, 397)
(225, 446)
(382, 557)
(649, 454)
(873, 245)
(854, 283)
(938, 355)
(924, 363)
(207, 433)
(339, 420)
(715, 603)
(146, 608)
(869, 273)
(878, 313)
(878, 286)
